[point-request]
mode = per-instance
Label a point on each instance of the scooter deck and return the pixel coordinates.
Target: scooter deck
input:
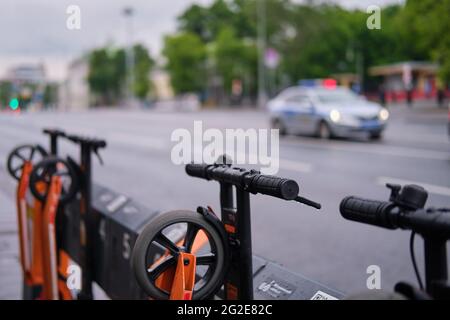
(274, 282)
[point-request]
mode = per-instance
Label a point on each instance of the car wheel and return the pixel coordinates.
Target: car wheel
(324, 131)
(376, 136)
(277, 124)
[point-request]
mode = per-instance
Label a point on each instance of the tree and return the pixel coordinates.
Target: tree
(50, 94)
(186, 54)
(427, 33)
(107, 73)
(6, 91)
(234, 58)
(206, 22)
(142, 67)
(317, 38)
(318, 45)
(195, 20)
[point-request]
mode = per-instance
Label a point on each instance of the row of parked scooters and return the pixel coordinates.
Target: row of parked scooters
(212, 257)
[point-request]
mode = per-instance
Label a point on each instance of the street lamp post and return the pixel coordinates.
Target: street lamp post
(128, 13)
(262, 38)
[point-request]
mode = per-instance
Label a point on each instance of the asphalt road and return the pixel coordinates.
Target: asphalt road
(320, 245)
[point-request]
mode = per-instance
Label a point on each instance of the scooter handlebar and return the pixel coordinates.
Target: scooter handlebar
(92, 142)
(432, 222)
(274, 186)
(197, 170)
(54, 132)
(367, 211)
(251, 181)
(382, 214)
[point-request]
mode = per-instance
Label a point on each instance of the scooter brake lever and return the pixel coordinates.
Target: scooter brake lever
(309, 203)
(98, 156)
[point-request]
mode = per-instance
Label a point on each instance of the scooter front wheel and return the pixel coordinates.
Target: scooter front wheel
(210, 258)
(45, 170)
(20, 155)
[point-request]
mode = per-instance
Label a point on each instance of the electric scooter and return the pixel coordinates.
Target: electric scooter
(20, 164)
(227, 261)
(405, 210)
(88, 147)
(53, 182)
(51, 173)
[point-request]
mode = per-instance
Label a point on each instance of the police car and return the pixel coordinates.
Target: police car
(326, 111)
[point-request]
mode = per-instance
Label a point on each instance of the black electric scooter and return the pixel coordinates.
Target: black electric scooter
(81, 178)
(228, 258)
(405, 210)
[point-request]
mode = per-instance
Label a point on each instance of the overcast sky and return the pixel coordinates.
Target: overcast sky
(35, 30)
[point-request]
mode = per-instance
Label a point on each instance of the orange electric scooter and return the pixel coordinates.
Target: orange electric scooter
(32, 215)
(20, 164)
(53, 182)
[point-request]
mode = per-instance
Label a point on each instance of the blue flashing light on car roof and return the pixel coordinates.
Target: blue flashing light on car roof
(308, 83)
(318, 83)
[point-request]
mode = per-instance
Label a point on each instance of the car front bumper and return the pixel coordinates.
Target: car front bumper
(369, 127)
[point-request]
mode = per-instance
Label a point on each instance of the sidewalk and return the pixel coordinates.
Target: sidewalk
(10, 270)
(422, 112)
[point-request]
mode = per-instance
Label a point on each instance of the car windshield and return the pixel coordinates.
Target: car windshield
(333, 96)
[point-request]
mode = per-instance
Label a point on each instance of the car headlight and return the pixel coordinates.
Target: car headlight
(343, 118)
(383, 115)
(335, 115)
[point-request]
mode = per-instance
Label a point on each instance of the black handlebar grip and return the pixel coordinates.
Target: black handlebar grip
(100, 143)
(274, 186)
(367, 211)
(197, 170)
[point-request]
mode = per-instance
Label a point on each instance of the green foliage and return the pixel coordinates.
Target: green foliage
(195, 20)
(5, 93)
(315, 39)
(208, 22)
(50, 94)
(108, 73)
(234, 58)
(142, 67)
(428, 31)
(186, 55)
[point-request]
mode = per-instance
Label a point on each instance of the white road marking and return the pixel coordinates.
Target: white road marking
(439, 190)
(408, 153)
(295, 166)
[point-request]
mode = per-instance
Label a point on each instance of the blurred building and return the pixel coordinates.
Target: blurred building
(413, 78)
(162, 88)
(74, 94)
(27, 74)
(28, 83)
